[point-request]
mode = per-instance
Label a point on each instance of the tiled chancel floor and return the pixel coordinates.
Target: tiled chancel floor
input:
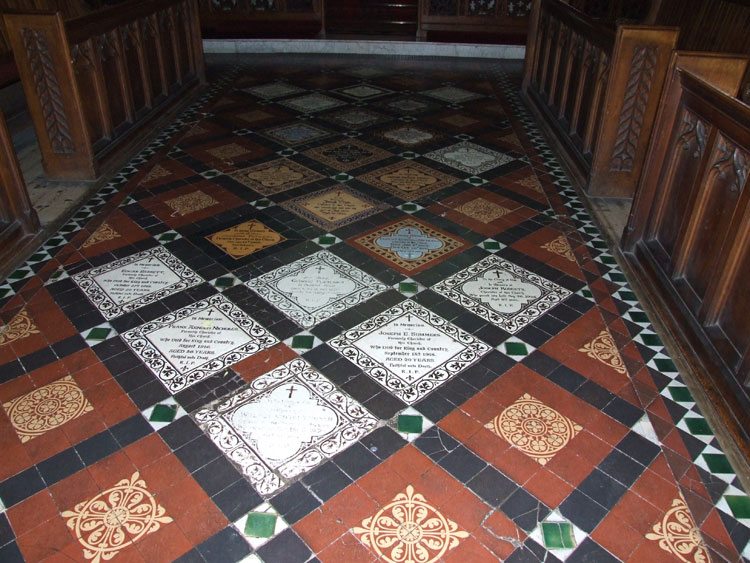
(347, 310)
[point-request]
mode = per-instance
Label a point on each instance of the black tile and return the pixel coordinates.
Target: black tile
(435, 443)
(38, 359)
(228, 545)
(462, 464)
(602, 488)
(582, 511)
(621, 467)
(131, 430)
(69, 346)
(525, 510)
(457, 391)
(216, 476)
(149, 394)
(623, 412)
(60, 466)
(122, 363)
(639, 448)
(21, 486)
(197, 453)
(540, 363)
(492, 486)
(590, 551)
(321, 356)
(531, 552)
(6, 532)
(10, 553)
(594, 394)
(497, 362)
(294, 503)
(286, 547)
(97, 447)
(384, 405)
(566, 378)
(326, 481)
(356, 460)
(180, 432)
(383, 442)
(434, 407)
(135, 378)
(362, 388)
(237, 500)
(11, 370)
(192, 556)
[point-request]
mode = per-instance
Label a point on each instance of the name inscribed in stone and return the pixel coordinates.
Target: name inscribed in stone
(244, 239)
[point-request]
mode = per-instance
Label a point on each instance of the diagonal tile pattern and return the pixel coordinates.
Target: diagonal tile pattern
(347, 309)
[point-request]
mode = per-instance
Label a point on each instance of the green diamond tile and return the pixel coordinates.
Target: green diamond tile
(615, 276)
(408, 207)
(326, 240)
(98, 333)
(168, 236)
(408, 287)
(651, 340)
(409, 423)
(740, 505)
(260, 525)
(18, 274)
(305, 341)
(698, 426)
(516, 348)
(489, 245)
(665, 364)
(628, 296)
(681, 394)
(163, 413)
(609, 260)
(558, 535)
(718, 463)
(224, 282)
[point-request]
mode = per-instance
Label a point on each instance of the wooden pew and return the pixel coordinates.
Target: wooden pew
(18, 219)
(687, 241)
(594, 89)
(261, 18)
(95, 84)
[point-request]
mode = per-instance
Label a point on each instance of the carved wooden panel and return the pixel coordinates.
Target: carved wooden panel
(47, 89)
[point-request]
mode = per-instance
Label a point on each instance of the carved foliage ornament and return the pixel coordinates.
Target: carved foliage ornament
(732, 158)
(693, 129)
(634, 106)
(47, 90)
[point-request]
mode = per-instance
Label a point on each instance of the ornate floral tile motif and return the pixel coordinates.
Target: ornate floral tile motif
(103, 232)
(156, 173)
(409, 350)
(452, 94)
(531, 182)
(316, 287)
(163, 172)
(677, 534)
(46, 408)
(355, 118)
(406, 105)
(409, 529)
(482, 210)
(20, 326)
(283, 424)
(276, 176)
(312, 103)
(347, 154)
(222, 154)
(334, 207)
(363, 92)
(409, 136)
(273, 90)
(408, 180)
(190, 203)
(469, 157)
(603, 349)
(244, 239)
(296, 134)
(197, 341)
(561, 247)
(534, 428)
(133, 282)
(229, 151)
(115, 518)
(409, 245)
(502, 293)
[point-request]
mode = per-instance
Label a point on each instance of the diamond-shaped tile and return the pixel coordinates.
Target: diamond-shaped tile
(260, 525)
(303, 342)
(516, 348)
(327, 240)
(491, 245)
(558, 535)
(163, 413)
(99, 334)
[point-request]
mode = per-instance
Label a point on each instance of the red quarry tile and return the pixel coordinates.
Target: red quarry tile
(353, 504)
(617, 537)
(590, 447)
(674, 442)
(410, 462)
(90, 376)
(699, 507)
(48, 373)
(320, 528)
(459, 425)
(165, 545)
(498, 526)
(147, 450)
(548, 488)
(48, 444)
(120, 230)
(517, 465)
(569, 466)
(31, 512)
(437, 486)
(45, 540)
(118, 410)
(661, 468)
(85, 426)
(692, 482)
(16, 388)
(649, 550)
(200, 522)
(716, 536)
(481, 407)
(487, 445)
(81, 360)
(264, 361)
(346, 548)
(655, 490)
(466, 510)
(112, 469)
(470, 549)
(182, 496)
(79, 487)
(382, 484)
(161, 475)
(638, 513)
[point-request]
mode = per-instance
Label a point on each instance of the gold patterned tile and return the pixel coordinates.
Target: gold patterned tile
(20, 326)
(410, 244)
(229, 151)
(334, 207)
(190, 203)
(409, 529)
(534, 428)
(46, 408)
(347, 154)
(561, 247)
(244, 239)
(603, 349)
(157, 172)
(115, 518)
(482, 210)
(276, 176)
(102, 233)
(459, 120)
(678, 535)
(531, 182)
(408, 180)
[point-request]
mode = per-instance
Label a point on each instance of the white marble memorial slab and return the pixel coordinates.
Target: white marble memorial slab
(469, 157)
(502, 293)
(409, 350)
(283, 424)
(194, 342)
(316, 287)
(132, 282)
